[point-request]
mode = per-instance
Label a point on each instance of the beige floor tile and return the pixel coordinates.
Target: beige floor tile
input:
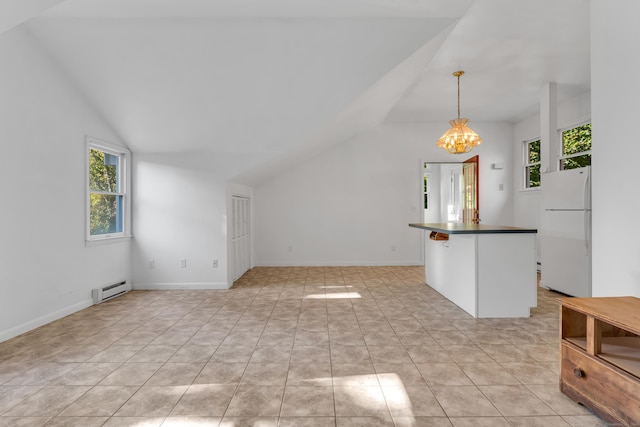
(281, 338)
(43, 374)
(349, 354)
(439, 374)
(134, 422)
(116, 353)
(100, 401)
(310, 354)
(585, 421)
(76, 422)
(309, 374)
(530, 372)
(154, 353)
(152, 401)
(354, 374)
(131, 374)
(550, 421)
(232, 353)
(379, 421)
(307, 401)
(48, 401)
(488, 374)
(428, 354)
(87, 374)
(205, 400)
(172, 421)
(176, 374)
(265, 374)
(399, 374)
(250, 401)
(221, 373)
(389, 354)
(467, 354)
(360, 401)
(249, 422)
(412, 401)
(480, 422)
(378, 351)
(271, 353)
(560, 403)
(307, 422)
(464, 401)
(23, 421)
(516, 401)
(10, 396)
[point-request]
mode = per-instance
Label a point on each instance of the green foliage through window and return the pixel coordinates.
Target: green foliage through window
(576, 147)
(105, 196)
(532, 164)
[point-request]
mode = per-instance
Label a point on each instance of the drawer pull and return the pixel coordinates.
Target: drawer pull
(579, 373)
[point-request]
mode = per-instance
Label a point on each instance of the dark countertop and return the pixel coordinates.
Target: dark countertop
(459, 228)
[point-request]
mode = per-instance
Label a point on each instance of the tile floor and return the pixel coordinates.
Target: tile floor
(353, 346)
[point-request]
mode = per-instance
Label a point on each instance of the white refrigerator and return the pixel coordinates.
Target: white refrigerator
(565, 240)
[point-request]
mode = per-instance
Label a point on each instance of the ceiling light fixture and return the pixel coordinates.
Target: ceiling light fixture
(460, 138)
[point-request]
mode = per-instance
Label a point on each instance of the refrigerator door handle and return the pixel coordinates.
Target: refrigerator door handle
(586, 231)
(587, 198)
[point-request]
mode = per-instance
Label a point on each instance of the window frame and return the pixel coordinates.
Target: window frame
(526, 165)
(124, 189)
(562, 157)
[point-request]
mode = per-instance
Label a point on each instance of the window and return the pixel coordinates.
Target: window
(427, 179)
(531, 164)
(107, 191)
(576, 147)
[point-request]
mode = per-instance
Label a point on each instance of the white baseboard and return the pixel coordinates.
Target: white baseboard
(178, 286)
(338, 264)
(43, 320)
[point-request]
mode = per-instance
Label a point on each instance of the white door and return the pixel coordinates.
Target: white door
(241, 235)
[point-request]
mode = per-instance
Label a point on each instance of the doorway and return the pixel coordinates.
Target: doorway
(451, 191)
(241, 234)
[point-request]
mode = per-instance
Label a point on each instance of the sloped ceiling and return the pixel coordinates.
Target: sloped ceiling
(279, 80)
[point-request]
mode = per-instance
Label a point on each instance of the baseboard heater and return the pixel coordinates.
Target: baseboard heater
(109, 292)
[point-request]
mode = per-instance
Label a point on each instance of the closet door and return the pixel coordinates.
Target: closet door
(241, 235)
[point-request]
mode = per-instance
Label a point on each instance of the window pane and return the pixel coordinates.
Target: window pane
(426, 201)
(105, 214)
(534, 151)
(575, 162)
(426, 184)
(576, 140)
(103, 171)
(533, 176)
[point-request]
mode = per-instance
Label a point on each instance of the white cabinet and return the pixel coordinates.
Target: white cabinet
(485, 274)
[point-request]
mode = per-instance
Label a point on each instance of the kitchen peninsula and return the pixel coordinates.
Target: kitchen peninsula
(488, 271)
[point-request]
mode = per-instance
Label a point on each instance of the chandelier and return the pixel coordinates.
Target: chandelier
(460, 138)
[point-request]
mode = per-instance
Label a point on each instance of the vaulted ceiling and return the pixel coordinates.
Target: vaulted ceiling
(281, 78)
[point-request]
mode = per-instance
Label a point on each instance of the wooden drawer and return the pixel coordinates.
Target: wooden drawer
(607, 391)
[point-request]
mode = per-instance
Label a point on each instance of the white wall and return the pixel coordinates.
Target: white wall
(527, 211)
(46, 271)
(615, 66)
(351, 204)
(180, 212)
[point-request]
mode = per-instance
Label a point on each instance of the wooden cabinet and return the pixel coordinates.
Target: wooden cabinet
(600, 348)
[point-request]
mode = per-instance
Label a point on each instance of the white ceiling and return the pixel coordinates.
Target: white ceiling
(284, 77)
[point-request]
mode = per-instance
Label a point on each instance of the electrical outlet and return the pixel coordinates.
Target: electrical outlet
(393, 248)
(215, 263)
(290, 248)
(151, 264)
(183, 263)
